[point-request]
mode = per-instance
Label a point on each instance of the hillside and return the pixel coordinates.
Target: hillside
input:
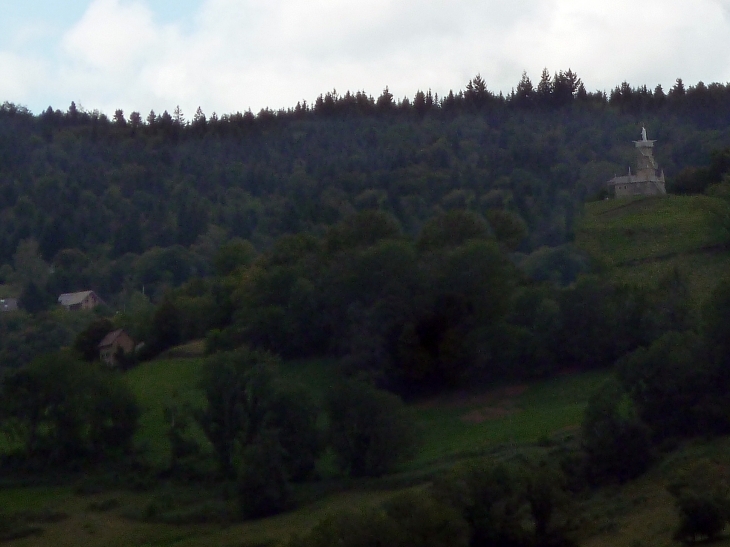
(453, 426)
(639, 240)
(503, 422)
(506, 422)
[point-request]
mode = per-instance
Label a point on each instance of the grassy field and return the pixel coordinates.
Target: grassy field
(460, 425)
(642, 513)
(158, 384)
(622, 231)
(452, 426)
(455, 426)
(639, 240)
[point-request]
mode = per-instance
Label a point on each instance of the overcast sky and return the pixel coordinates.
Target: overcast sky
(231, 55)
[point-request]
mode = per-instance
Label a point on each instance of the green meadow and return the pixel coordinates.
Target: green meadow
(640, 240)
(495, 421)
(456, 425)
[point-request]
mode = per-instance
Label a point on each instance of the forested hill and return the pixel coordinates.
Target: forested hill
(133, 201)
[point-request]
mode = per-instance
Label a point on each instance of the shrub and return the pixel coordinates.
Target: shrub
(263, 489)
(245, 402)
(414, 519)
(617, 444)
(424, 522)
(670, 383)
(61, 409)
(702, 515)
(370, 431)
(370, 528)
(702, 498)
(491, 499)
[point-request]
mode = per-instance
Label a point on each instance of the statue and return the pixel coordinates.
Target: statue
(643, 133)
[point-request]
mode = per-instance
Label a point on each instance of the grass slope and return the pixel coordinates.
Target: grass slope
(158, 384)
(639, 240)
(460, 425)
(453, 426)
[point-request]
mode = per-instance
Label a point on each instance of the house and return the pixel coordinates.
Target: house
(8, 304)
(112, 343)
(647, 181)
(84, 300)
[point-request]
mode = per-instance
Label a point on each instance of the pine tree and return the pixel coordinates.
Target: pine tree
(525, 94)
(177, 117)
(545, 88)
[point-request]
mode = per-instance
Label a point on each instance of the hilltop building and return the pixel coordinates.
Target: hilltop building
(648, 180)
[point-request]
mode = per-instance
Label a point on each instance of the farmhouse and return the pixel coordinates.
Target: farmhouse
(84, 300)
(111, 344)
(648, 180)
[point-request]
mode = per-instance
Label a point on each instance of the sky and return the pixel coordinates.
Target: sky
(233, 55)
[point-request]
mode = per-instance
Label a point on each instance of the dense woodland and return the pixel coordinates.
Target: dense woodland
(135, 206)
(425, 244)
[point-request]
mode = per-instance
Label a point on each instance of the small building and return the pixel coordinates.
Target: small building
(648, 180)
(8, 304)
(112, 343)
(84, 300)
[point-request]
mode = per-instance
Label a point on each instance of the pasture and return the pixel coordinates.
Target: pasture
(499, 421)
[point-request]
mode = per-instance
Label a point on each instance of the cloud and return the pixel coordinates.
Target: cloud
(111, 35)
(235, 54)
(23, 75)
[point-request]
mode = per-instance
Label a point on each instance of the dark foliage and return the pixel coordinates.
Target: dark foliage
(675, 386)
(87, 341)
(245, 404)
(263, 487)
(617, 444)
(408, 520)
(80, 182)
(517, 505)
(61, 410)
(702, 498)
(370, 431)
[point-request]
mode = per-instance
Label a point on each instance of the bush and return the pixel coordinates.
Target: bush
(516, 505)
(371, 528)
(702, 514)
(62, 410)
(424, 522)
(370, 431)
(245, 402)
(491, 499)
(263, 489)
(414, 519)
(617, 444)
(670, 383)
(293, 418)
(238, 390)
(702, 498)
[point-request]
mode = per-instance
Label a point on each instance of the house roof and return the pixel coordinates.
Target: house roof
(73, 298)
(109, 339)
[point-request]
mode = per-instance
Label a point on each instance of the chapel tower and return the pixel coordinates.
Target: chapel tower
(648, 180)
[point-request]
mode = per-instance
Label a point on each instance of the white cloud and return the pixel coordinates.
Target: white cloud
(111, 35)
(23, 76)
(244, 53)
